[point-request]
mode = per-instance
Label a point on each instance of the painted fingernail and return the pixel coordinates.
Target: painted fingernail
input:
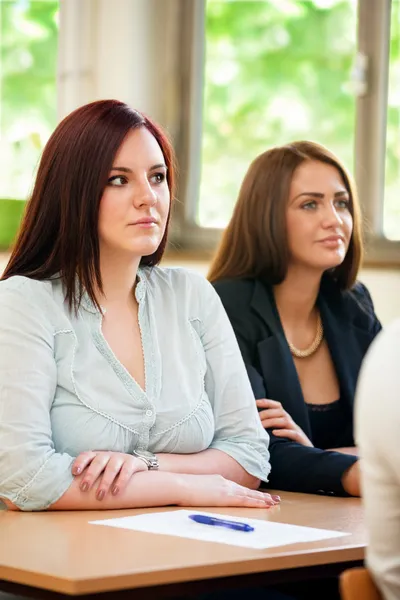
(276, 498)
(100, 495)
(85, 486)
(77, 470)
(115, 490)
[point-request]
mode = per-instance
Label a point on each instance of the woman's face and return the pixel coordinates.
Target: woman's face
(319, 221)
(134, 206)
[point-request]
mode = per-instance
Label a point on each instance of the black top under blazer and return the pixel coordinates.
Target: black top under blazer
(350, 325)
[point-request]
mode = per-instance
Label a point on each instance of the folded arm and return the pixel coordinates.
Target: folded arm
(207, 462)
(298, 467)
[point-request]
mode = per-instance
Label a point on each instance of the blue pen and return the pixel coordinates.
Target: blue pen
(206, 520)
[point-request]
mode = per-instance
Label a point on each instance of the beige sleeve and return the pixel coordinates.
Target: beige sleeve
(378, 437)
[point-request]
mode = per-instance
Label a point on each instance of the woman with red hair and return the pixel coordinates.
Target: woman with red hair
(117, 390)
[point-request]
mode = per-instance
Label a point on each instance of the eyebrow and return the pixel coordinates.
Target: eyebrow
(126, 170)
(320, 195)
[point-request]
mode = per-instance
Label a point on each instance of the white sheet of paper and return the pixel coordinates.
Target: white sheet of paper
(265, 535)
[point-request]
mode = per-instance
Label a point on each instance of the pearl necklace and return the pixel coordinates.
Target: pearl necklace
(314, 346)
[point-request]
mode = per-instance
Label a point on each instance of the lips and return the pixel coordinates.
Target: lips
(145, 221)
(332, 239)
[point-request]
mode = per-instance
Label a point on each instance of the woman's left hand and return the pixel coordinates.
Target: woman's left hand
(275, 417)
(115, 469)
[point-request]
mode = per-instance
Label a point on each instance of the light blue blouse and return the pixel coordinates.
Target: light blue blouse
(63, 391)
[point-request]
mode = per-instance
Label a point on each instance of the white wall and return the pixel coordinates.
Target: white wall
(122, 49)
(384, 285)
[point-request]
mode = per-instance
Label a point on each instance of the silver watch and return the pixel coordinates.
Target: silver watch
(149, 458)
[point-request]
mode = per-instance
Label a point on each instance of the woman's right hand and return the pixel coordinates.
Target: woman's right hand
(108, 471)
(215, 490)
(274, 416)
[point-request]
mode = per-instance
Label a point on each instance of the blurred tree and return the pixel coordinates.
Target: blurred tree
(28, 106)
(279, 70)
(391, 212)
(276, 70)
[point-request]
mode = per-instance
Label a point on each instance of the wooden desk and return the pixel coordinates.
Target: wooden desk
(62, 553)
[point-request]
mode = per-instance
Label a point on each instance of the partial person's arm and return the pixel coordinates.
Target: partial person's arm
(294, 467)
(377, 435)
(310, 470)
(155, 488)
(207, 462)
(352, 450)
(147, 488)
(32, 473)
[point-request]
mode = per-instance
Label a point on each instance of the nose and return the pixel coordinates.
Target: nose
(144, 194)
(331, 217)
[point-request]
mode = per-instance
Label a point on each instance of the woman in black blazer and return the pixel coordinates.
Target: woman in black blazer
(286, 273)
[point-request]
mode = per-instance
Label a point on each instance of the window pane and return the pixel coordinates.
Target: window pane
(28, 107)
(391, 213)
(275, 71)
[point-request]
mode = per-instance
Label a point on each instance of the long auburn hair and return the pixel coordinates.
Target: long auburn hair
(254, 244)
(59, 230)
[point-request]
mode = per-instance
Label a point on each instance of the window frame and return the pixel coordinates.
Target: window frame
(371, 122)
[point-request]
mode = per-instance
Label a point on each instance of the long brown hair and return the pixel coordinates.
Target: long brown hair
(59, 230)
(254, 244)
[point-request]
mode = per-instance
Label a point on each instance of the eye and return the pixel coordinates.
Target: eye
(343, 204)
(158, 178)
(310, 205)
(117, 180)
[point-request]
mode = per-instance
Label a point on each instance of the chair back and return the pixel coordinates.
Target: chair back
(357, 584)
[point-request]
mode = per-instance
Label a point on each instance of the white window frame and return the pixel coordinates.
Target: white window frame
(371, 122)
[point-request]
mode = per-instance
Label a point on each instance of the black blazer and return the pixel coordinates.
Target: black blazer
(350, 325)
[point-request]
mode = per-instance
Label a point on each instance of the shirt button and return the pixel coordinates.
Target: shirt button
(149, 413)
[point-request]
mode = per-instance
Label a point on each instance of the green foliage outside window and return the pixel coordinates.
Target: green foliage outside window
(279, 70)
(28, 101)
(276, 71)
(391, 214)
